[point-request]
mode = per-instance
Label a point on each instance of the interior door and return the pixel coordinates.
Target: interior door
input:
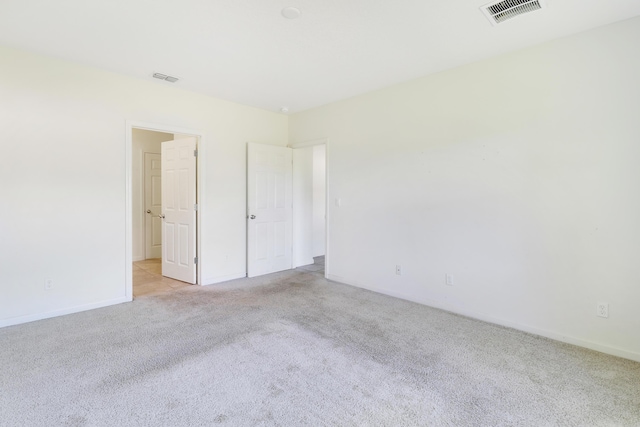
(179, 209)
(269, 209)
(153, 205)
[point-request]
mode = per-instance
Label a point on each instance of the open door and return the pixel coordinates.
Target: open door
(179, 209)
(153, 205)
(269, 209)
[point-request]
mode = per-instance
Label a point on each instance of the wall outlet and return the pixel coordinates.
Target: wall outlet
(399, 270)
(48, 284)
(449, 279)
(602, 309)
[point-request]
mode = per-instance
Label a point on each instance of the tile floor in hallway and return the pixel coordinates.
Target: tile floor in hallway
(148, 279)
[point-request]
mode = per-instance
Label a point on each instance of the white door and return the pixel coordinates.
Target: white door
(153, 205)
(179, 209)
(269, 209)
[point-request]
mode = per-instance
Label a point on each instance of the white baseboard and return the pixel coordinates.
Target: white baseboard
(226, 278)
(614, 351)
(55, 313)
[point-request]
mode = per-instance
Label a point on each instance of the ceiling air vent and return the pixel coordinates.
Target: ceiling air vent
(165, 77)
(507, 9)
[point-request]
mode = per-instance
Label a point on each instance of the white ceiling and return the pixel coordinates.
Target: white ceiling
(245, 51)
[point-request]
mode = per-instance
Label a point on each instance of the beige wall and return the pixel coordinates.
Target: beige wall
(518, 175)
(62, 179)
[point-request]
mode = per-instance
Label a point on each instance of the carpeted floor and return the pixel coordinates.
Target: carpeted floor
(293, 349)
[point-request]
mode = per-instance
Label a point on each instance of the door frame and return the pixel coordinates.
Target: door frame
(200, 191)
(327, 193)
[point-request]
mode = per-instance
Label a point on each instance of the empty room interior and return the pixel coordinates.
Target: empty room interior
(356, 213)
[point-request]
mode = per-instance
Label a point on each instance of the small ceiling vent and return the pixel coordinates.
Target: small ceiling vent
(165, 77)
(507, 9)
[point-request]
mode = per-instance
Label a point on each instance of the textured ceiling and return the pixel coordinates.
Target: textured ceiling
(245, 51)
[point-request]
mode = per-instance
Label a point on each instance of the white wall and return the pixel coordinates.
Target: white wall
(518, 175)
(142, 141)
(319, 200)
(62, 179)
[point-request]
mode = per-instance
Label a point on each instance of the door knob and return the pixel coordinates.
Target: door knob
(150, 213)
(252, 217)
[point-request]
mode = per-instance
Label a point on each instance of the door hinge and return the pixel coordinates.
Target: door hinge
(195, 260)
(195, 153)
(195, 207)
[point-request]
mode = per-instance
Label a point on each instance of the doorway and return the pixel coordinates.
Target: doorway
(147, 279)
(146, 185)
(310, 205)
(156, 227)
(287, 208)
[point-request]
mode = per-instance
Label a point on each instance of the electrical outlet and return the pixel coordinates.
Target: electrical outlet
(48, 284)
(399, 270)
(449, 279)
(602, 309)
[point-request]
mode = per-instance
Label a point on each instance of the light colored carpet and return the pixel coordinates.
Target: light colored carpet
(294, 349)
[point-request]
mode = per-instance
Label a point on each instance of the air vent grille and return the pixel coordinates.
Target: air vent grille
(507, 9)
(165, 77)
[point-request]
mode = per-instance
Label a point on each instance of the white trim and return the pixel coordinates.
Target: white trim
(200, 179)
(49, 314)
(128, 212)
(327, 192)
(310, 143)
(614, 351)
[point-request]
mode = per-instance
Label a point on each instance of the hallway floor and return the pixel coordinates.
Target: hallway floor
(148, 279)
(316, 267)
